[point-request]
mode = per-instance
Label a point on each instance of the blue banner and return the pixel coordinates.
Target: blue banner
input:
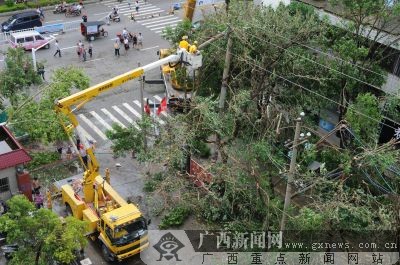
(50, 28)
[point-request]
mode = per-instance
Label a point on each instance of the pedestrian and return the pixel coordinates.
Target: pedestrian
(147, 107)
(90, 49)
(58, 49)
(129, 3)
(126, 45)
(69, 152)
(140, 41)
(38, 199)
(125, 33)
(78, 49)
(83, 53)
(134, 40)
(40, 70)
(39, 10)
(35, 185)
(116, 48)
(133, 17)
(137, 6)
(83, 154)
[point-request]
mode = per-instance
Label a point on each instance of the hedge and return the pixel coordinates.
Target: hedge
(4, 8)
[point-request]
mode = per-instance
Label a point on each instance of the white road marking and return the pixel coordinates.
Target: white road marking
(142, 8)
(86, 134)
(150, 48)
(172, 26)
(112, 117)
(158, 18)
(71, 47)
(125, 116)
(94, 127)
(149, 23)
(166, 23)
(52, 21)
(126, 105)
(100, 119)
(148, 12)
(98, 59)
(155, 109)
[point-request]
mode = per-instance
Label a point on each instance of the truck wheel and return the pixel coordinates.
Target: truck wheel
(106, 253)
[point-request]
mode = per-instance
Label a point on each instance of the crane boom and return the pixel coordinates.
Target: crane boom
(82, 97)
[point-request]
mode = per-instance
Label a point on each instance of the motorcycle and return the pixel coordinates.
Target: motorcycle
(114, 16)
(74, 10)
(60, 9)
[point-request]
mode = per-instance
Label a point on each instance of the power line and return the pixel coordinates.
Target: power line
(247, 60)
(323, 65)
(329, 55)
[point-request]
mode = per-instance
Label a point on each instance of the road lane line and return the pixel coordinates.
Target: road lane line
(149, 23)
(134, 112)
(100, 119)
(171, 26)
(168, 23)
(66, 48)
(158, 18)
(94, 127)
(112, 117)
(94, 60)
(150, 48)
(125, 116)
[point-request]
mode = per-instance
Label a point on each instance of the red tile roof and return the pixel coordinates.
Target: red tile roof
(14, 157)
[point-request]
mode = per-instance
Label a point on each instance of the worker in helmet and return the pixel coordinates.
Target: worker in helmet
(193, 48)
(183, 44)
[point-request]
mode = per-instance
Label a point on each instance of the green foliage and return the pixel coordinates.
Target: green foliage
(202, 149)
(174, 35)
(50, 238)
(17, 75)
(131, 139)
(33, 4)
(9, 3)
(307, 219)
(363, 117)
(175, 217)
(42, 158)
(151, 184)
(46, 127)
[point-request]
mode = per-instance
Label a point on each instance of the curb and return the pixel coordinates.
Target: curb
(46, 8)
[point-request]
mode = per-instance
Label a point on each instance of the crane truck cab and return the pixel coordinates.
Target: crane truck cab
(118, 225)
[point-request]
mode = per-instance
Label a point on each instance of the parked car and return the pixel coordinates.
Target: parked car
(29, 40)
(25, 20)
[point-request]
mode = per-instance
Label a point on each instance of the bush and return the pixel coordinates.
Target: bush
(151, 184)
(42, 158)
(175, 217)
(5, 8)
(9, 3)
(202, 149)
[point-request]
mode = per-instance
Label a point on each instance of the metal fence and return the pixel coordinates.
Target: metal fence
(60, 27)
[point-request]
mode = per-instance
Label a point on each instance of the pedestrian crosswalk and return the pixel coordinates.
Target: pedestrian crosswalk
(149, 15)
(95, 123)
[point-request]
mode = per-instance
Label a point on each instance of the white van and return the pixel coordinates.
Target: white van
(28, 40)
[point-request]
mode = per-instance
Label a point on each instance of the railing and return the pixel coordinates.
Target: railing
(60, 27)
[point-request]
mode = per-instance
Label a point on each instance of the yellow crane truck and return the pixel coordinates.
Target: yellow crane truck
(120, 226)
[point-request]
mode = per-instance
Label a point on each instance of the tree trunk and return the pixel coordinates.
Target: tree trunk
(38, 253)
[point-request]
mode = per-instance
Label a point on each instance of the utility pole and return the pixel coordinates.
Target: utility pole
(224, 86)
(142, 80)
(292, 170)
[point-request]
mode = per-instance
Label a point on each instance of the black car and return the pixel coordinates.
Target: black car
(25, 20)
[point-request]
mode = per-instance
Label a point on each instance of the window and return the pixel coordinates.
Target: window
(4, 186)
(38, 37)
(29, 39)
(27, 19)
(20, 40)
